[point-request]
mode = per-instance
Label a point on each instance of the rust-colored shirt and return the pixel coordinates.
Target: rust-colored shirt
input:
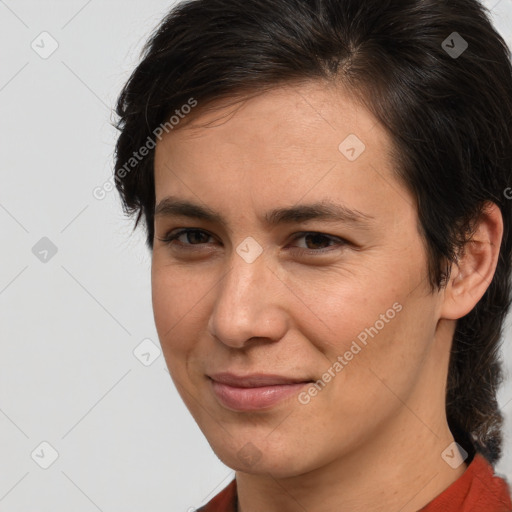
(478, 489)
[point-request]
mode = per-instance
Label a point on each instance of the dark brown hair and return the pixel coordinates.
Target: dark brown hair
(447, 108)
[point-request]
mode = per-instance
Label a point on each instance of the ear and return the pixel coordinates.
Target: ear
(472, 273)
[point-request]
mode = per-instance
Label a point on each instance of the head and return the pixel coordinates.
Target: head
(249, 107)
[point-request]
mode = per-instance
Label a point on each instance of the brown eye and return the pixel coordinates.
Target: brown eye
(188, 237)
(318, 242)
(196, 236)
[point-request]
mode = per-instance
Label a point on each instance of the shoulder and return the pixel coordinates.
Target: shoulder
(478, 489)
(224, 501)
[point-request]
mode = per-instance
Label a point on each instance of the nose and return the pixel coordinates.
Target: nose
(248, 304)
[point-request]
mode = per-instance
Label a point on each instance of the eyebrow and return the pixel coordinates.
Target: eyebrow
(324, 210)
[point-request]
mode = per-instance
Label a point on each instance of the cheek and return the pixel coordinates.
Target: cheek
(178, 301)
(336, 307)
(382, 355)
(375, 321)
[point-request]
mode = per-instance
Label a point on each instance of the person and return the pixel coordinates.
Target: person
(325, 187)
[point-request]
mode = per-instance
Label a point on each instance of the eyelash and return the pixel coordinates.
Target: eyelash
(170, 237)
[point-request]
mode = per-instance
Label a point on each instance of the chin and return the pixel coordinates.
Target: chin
(262, 457)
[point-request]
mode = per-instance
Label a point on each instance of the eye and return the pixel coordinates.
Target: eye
(314, 242)
(317, 243)
(191, 237)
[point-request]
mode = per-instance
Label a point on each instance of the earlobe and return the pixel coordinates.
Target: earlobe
(472, 273)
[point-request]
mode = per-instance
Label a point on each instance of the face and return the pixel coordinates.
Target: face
(309, 267)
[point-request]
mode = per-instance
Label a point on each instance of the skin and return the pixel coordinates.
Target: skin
(372, 439)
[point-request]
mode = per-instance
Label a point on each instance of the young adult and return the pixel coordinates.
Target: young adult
(325, 199)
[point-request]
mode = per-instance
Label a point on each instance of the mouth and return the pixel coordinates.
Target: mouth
(255, 391)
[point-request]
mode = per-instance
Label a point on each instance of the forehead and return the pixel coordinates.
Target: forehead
(311, 113)
(310, 139)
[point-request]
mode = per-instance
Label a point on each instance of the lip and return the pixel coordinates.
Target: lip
(254, 391)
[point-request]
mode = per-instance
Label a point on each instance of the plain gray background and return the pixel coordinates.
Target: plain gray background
(75, 298)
